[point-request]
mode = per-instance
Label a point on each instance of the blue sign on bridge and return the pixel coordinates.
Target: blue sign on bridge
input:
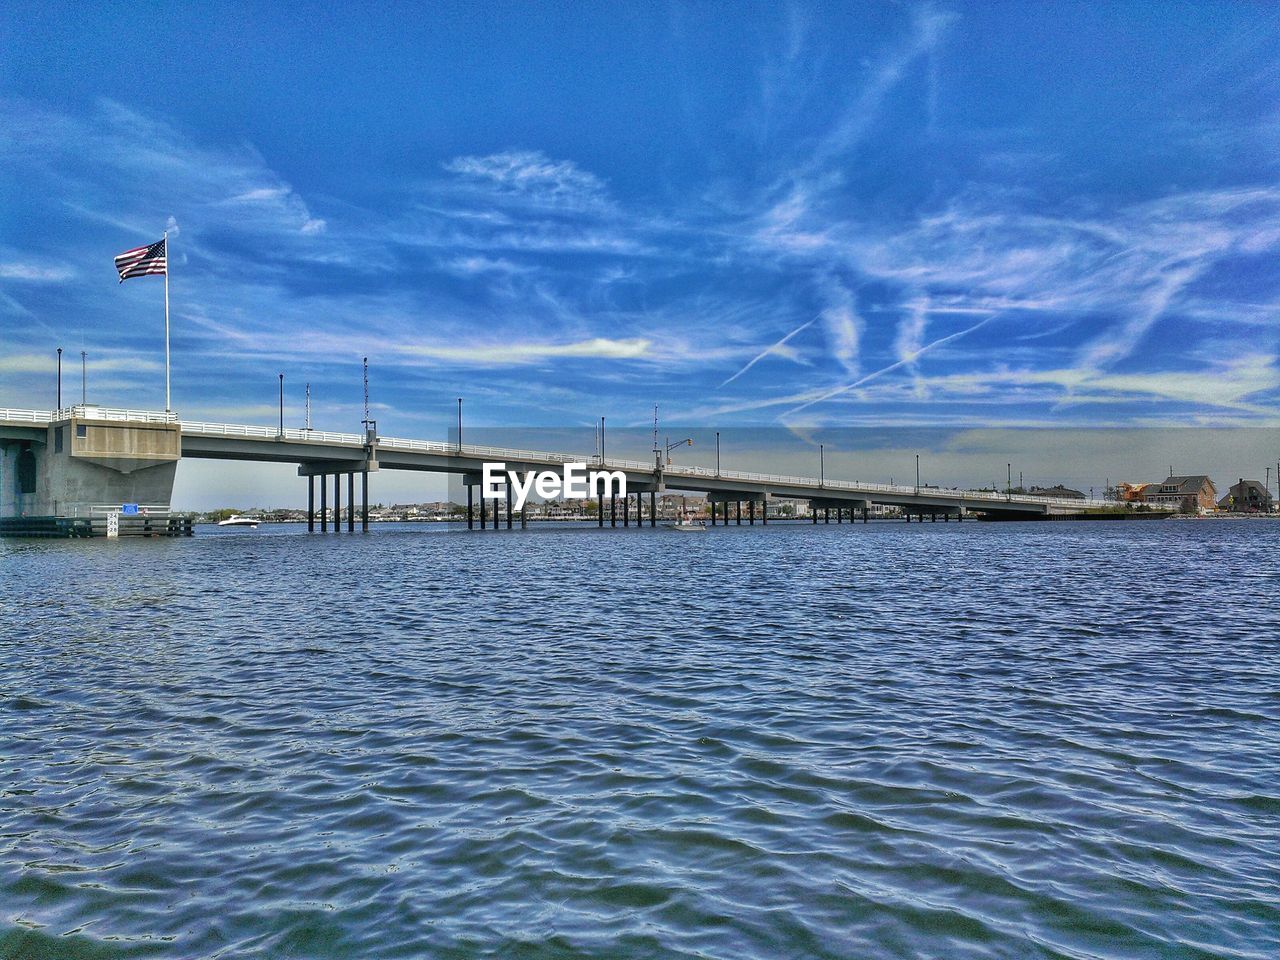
(129, 509)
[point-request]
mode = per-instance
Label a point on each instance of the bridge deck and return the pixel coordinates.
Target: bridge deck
(344, 452)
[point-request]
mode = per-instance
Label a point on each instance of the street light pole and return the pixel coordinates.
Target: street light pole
(282, 405)
(84, 378)
(822, 466)
(602, 441)
(1008, 483)
(717, 453)
(460, 427)
(59, 378)
(917, 473)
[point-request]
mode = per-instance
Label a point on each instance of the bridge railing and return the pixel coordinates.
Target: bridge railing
(87, 411)
(255, 432)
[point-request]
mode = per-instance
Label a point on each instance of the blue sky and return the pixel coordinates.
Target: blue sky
(799, 216)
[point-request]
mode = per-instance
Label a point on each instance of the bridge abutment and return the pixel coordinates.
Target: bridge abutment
(83, 470)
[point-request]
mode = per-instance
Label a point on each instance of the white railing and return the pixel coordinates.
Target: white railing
(12, 415)
(86, 411)
(145, 510)
(254, 432)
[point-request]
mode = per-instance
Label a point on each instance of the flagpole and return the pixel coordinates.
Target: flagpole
(166, 320)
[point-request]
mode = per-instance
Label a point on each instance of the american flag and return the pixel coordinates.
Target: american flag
(142, 261)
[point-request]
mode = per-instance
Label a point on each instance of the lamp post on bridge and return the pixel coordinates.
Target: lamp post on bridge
(822, 466)
(59, 378)
(460, 425)
(917, 474)
(282, 406)
(84, 378)
(717, 453)
(1008, 483)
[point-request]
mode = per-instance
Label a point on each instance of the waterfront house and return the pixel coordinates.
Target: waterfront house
(1246, 496)
(1192, 494)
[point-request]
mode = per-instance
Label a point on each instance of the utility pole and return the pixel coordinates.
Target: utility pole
(917, 473)
(717, 453)
(282, 405)
(308, 424)
(59, 378)
(822, 466)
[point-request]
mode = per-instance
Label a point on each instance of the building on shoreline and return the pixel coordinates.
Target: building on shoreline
(1246, 496)
(1191, 494)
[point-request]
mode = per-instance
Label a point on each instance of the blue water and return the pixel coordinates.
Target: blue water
(891, 740)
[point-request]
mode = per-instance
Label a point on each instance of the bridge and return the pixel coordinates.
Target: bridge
(89, 463)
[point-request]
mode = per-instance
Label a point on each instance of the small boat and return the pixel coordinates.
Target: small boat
(689, 525)
(235, 520)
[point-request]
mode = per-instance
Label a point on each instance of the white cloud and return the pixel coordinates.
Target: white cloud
(35, 273)
(504, 354)
(532, 175)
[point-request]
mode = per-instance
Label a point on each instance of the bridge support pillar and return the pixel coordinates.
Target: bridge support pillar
(933, 517)
(509, 506)
(653, 508)
(639, 509)
(524, 516)
(813, 512)
(865, 510)
(626, 512)
(324, 503)
(764, 512)
(613, 509)
(600, 510)
(826, 514)
(751, 513)
(482, 512)
(337, 503)
(351, 503)
(737, 507)
(471, 519)
(364, 501)
(839, 516)
(311, 504)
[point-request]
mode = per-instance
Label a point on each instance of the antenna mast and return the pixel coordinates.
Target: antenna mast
(366, 391)
(308, 406)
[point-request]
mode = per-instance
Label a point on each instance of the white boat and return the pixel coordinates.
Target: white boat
(689, 525)
(235, 520)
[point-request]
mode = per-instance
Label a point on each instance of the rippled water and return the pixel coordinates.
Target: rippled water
(892, 740)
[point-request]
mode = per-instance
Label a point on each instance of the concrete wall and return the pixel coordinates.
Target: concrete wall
(112, 464)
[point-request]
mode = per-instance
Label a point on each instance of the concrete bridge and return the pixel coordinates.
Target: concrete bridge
(87, 463)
